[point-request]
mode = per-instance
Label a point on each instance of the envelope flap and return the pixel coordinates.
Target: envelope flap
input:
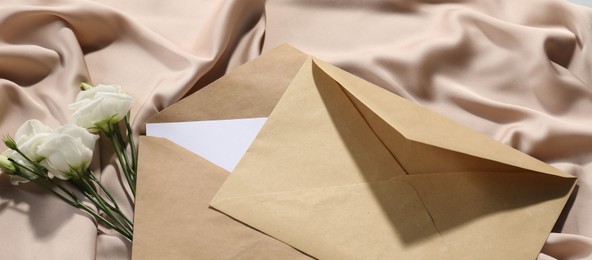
(314, 119)
(249, 91)
(319, 143)
(409, 121)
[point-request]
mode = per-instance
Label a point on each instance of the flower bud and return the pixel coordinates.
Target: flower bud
(85, 86)
(20, 174)
(6, 165)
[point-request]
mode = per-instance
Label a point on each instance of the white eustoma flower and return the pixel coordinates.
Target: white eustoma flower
(87, 139)
(68, 151)
(100, 107)
(30, 136)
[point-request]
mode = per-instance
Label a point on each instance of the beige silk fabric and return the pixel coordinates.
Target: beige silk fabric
(518, 71)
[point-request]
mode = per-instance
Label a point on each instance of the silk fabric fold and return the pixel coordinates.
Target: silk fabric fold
(518, 71)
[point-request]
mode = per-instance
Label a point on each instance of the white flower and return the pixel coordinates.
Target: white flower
(68, 151)
(87, 139)
(30, 136)
(100, 107)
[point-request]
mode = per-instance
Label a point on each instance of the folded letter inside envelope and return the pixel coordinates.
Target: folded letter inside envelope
(175, 186)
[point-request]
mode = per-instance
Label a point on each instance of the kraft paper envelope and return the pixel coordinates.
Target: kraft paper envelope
(172, 217)
(343, 169)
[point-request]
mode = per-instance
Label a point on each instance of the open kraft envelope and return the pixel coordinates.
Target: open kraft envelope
(172, 216)
(343, 169)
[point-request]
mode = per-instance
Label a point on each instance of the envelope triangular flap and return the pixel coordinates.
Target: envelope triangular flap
(249, 91)
(426, 142)
(461, 195)
(316, 159)
(308, 124)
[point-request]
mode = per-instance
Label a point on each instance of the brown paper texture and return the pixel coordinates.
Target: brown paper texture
(172, 217)
(343, 169)
(249, 91)
(177, 223)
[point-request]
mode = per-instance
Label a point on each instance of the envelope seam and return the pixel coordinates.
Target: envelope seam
(304, 190)
(347, 94)
(402, 178)
(431, 218)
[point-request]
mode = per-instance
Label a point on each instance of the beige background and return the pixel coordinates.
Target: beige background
(518, 71)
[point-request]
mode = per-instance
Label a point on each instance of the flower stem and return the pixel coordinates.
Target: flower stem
(41, 184)
(45, 177)
(94, 178)
(36, 181)
(99, 200)
(37, 166)
(124, 233)
(99, 205)
(122, 144)
(125, 228)
(115, 206)
(133, 148)
(124, 167)
(75, 202)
